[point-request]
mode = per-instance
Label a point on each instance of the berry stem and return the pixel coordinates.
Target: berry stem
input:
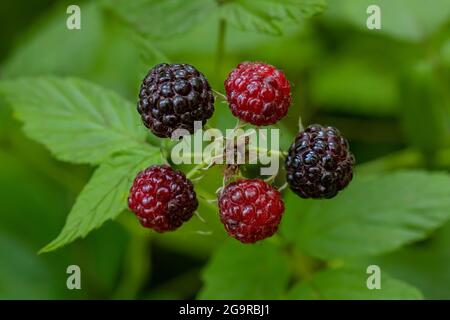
(207, 162)
(281, 154)
(219, 94)
(300, 125)
(197, 168)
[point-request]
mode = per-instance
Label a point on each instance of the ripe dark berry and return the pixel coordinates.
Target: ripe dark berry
(258, 93)
(250, 210)
(319, 163)
(173, 96)
(162, 198)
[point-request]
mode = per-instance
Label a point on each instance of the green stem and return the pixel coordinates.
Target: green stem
(198, 167)
(136, 262)
(300, 125)
(279, 153)
(220, 45)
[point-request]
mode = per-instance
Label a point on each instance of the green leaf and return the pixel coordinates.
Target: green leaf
(351, 284)
(175, 17)
(411, 20)
(237, 271)
(50, 47)
(76, 120)
(162, 19)
(149, 54)
(372, 216)
(268, 16)
(426, 264)
(105, 195)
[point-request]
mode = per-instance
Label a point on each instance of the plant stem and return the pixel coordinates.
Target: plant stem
(300, 125)
(279, 153)
(136, 262)
(220, 45)
(198, 167)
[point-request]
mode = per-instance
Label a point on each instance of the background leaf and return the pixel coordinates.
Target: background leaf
(49, 188)
(245, 272)
(77, 120)
(24, 276)
(173, 17)
(105, 195)
(61, 45)
(179, 16)
(425, 264)
(338, 77)
(268, 16)
(351, 284)
(372, 216)
(411, 20)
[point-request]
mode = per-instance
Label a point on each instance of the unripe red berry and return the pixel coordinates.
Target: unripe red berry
(162, 198)
(258, 93)
(250, 209)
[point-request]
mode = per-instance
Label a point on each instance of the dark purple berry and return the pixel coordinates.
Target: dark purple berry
(173, 96)
(319, 163)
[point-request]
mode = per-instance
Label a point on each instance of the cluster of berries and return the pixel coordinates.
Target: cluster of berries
(173, 96)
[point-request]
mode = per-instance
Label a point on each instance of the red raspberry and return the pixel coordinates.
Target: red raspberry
(250, 209)
(258, 93)
(162, 198)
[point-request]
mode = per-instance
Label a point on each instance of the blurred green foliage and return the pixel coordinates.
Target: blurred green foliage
(387, 90)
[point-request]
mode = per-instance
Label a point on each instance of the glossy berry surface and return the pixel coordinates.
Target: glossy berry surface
(173, 96)
(162, 198)
(319, 163)
(258, 93)
(250, 209)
